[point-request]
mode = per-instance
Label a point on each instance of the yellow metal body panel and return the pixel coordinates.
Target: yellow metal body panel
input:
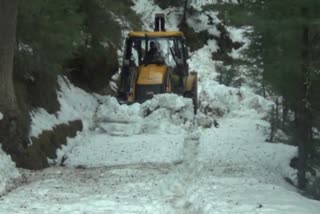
(152, 74)
(155, 34)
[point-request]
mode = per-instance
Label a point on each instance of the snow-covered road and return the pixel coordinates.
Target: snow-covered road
(224, 170)
(165, 162)
(158, 157)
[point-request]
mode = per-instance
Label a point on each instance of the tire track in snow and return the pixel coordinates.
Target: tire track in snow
(177, 190)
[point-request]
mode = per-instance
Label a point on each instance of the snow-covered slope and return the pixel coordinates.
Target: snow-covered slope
(8, 171)
(157, 157)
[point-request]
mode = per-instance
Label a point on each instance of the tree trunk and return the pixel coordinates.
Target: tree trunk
(11, 136)
(285, 111)
(8, 14)
(277, 114)
(263, 88)
(185, 7)
(304, 117)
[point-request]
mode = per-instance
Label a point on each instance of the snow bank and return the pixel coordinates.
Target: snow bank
(130, 134)
(201, 62)
(75, 104)
(245, 152)
(8, 172)
(218, 100)
(247, 196)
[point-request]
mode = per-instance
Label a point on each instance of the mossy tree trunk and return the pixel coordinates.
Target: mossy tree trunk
(11, 136)
(8, 17)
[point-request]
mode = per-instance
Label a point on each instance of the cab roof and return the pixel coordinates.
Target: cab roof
(155, 34)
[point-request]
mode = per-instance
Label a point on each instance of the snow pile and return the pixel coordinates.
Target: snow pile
(201, 62)
(159, 114)
(140, 133)
(8, 172)
(126, 132)
(75, 104)
(218, 100)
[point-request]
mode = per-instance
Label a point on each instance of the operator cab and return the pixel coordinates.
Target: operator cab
(154, 62)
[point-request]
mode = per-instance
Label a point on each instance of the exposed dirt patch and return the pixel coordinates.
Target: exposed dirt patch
(47, 143)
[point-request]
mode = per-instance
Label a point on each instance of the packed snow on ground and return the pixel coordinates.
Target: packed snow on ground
(157, 157)
(123, 167)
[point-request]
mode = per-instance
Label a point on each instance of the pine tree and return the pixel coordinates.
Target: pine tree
(288, 57)
(47, 33)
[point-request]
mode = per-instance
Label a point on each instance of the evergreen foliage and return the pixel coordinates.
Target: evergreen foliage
(47, 34)
(169, 3)
(81, 36)
(96, 59)
(288, 34)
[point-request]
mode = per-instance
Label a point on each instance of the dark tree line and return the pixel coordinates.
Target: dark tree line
(40, 40)
(285, 60)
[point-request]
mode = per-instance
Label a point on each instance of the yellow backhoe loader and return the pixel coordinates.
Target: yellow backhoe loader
(155, 62)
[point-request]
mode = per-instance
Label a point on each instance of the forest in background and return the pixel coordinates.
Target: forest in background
(80, 39)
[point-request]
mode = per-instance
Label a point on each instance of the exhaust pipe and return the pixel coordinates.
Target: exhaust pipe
(159, 22)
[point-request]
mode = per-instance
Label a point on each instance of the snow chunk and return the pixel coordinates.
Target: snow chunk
(214, 31)
(1, 116)
(178, 107)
